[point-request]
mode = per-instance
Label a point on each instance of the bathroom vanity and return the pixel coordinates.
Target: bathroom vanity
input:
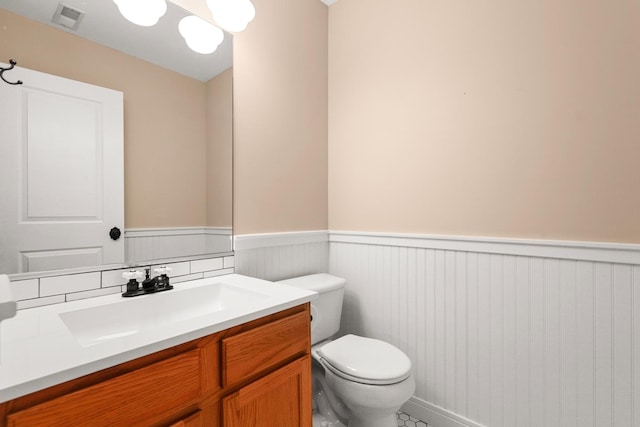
(250, 366)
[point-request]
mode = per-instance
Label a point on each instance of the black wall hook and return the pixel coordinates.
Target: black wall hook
(2, 70)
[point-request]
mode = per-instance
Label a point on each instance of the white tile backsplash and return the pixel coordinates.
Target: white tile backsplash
(24, 289)
(67, 284)
(57, 289)
(229, 262)
(37, 302)
(177, 268)
(218, 272)
(114, 277)
(194, 276)
(94, 293)
(202, 265)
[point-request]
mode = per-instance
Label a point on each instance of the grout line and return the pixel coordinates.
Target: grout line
(402, 422)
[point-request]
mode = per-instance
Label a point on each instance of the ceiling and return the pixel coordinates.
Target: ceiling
(161, 44)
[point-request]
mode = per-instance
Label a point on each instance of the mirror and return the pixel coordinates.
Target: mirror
(177, 118)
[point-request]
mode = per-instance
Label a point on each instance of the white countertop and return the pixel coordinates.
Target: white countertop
(8, 306)
(37, 350)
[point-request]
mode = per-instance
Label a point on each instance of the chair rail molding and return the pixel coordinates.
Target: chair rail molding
(626, 253)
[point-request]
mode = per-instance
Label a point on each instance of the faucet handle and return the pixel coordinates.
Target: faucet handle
(132, 278)
(132, 274)
(163, 270)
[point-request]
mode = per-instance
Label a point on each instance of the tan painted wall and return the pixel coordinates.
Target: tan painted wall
(219, 149)
(280, 118)
(497, 118)
(164, 118)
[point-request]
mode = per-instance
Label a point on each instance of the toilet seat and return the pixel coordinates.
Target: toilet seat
(365, 360)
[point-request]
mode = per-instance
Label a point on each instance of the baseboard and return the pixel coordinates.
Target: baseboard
(434, 415)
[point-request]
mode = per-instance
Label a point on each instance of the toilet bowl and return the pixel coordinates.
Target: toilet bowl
(358, 381)
(371, 378)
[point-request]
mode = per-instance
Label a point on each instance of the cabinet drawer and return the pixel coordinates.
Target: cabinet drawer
(141, 397)
(194, 420)
(259, 350)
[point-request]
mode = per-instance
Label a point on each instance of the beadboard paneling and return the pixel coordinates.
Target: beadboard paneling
(501, 339)
(281, 256)
(283, 262)
(146, 244)
(501, 332)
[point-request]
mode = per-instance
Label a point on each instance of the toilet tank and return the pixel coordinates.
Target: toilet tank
(326, 310)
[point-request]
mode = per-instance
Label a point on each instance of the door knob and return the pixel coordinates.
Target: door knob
(115, 233)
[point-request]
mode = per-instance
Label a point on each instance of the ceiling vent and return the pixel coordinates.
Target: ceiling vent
(68, 17)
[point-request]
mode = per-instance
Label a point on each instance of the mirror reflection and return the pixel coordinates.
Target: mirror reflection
(177, 131)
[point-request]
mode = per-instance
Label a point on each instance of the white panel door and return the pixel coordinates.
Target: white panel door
(61, 173)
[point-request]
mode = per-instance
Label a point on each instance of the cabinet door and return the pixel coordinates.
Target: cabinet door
(282, 398)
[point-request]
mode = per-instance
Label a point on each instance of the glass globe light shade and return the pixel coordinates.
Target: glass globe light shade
(142, 12)
(200, 35)
(232, 15)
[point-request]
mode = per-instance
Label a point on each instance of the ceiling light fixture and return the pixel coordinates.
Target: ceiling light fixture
(200, 35)
(232, 15)
(142, 12)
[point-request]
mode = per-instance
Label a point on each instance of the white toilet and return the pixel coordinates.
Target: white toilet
(357, 381)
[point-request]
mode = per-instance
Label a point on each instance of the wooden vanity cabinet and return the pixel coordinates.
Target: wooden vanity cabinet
(274, 400)
(255, 374)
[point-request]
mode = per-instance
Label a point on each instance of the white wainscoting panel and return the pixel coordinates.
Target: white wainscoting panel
(499, 338)
(282, 255)
(145, 244)
(218, 240)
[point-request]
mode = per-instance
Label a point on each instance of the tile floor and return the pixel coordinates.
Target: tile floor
(405, 420)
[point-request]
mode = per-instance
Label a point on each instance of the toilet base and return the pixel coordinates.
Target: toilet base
(320, 421)
(371, 405)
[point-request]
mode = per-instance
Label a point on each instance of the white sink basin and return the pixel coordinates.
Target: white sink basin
(130, 316)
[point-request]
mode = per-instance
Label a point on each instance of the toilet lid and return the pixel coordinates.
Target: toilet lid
(368, 360)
